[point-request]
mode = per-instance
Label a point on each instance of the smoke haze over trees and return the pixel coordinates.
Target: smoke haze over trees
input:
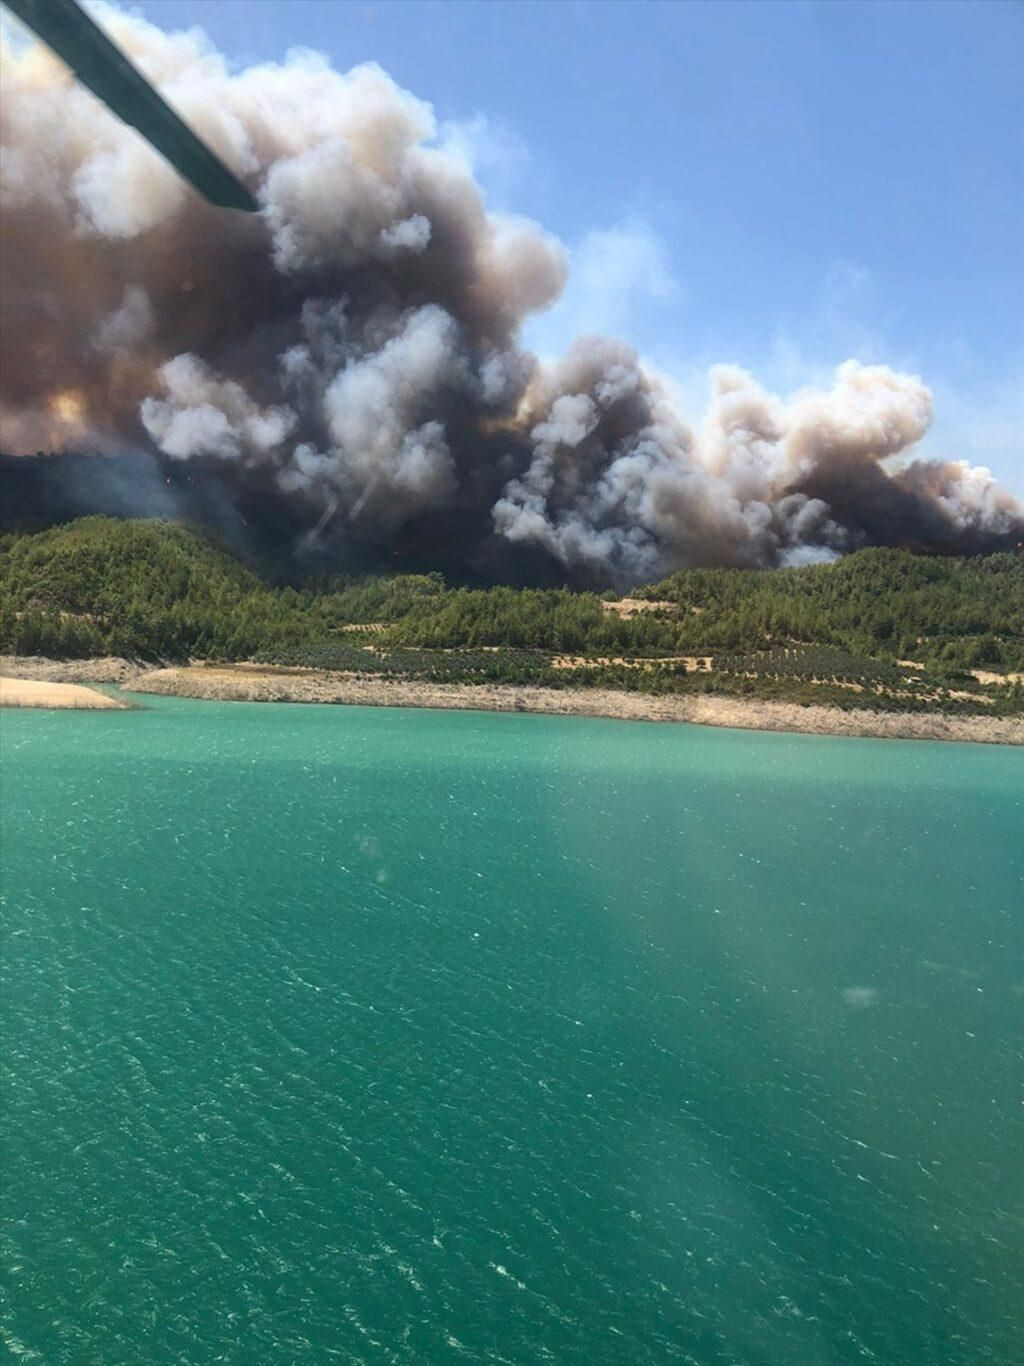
(345, 368)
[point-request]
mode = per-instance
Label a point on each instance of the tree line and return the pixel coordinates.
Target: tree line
(161, 590)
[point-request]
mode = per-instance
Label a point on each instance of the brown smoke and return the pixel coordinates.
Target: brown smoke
(349, 357)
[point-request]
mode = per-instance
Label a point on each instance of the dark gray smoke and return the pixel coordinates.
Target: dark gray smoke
(346, 365)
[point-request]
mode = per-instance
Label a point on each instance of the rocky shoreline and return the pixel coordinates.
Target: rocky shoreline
(261, 683)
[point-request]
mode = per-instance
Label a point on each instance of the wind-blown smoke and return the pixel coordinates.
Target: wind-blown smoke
(349, 357)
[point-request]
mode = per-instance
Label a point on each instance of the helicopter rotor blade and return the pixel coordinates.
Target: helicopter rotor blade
(101, 66)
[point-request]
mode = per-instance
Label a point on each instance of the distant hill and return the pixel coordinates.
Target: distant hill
(162, 590)
(159, 589)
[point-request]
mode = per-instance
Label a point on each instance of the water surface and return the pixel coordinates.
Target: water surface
(366, 1035)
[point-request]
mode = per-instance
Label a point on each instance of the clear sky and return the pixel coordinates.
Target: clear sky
(779, 185)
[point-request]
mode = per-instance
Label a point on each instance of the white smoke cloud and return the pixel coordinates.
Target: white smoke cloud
(205, 415)
(411, 234)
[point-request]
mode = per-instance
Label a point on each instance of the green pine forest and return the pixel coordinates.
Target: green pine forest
(883, 628)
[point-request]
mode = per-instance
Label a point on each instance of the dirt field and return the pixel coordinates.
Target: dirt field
(631, 607)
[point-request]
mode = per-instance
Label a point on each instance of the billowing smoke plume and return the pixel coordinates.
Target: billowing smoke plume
(348, 359)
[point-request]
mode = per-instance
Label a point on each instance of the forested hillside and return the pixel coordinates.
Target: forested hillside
(161, 590)
(885, 602)
(158, 590)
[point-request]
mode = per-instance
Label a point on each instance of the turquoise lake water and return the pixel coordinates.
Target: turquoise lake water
(338, 1034)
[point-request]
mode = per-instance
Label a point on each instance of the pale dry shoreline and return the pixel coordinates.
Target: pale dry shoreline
(260, 683)
(31, 692)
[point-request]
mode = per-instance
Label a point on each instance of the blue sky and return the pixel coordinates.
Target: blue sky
(779, 185)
